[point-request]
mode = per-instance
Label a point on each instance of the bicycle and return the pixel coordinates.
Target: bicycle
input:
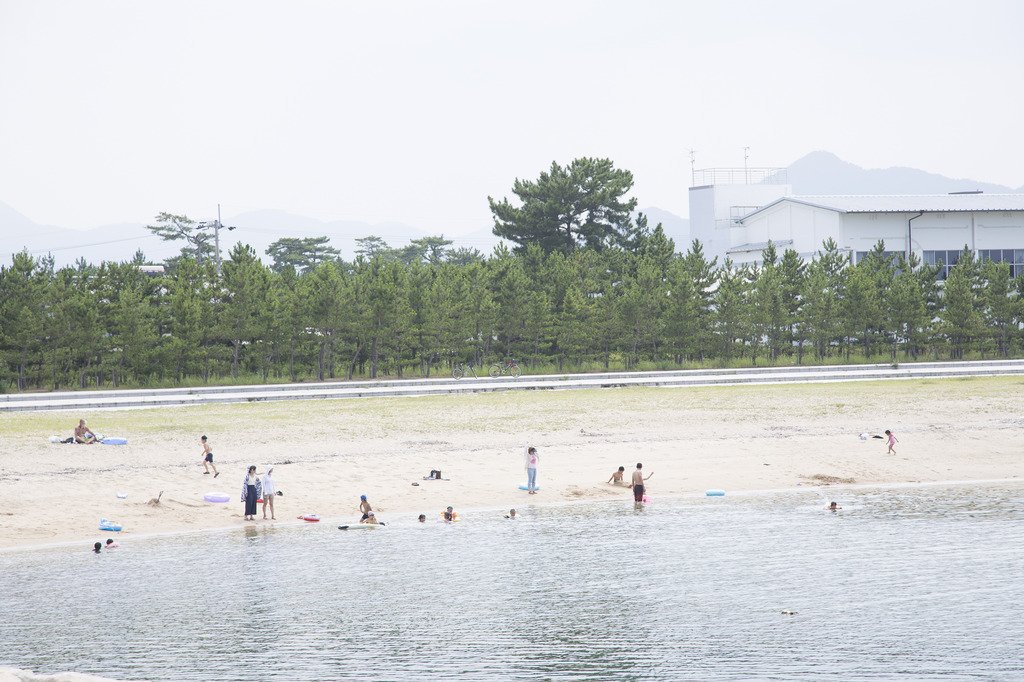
(509, 366)
(461, 369)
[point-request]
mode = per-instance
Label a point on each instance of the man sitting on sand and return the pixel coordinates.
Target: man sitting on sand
(616, 478)
(83, 434)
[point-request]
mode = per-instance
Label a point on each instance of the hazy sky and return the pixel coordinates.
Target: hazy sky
(416, 111)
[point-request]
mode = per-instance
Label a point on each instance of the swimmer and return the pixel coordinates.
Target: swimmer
(371, 519)
(511, 514)
(616, 478)
(111, 544)
(449, 514)
(97, 547)
(422, 518)
(364, 507)
(833, 506)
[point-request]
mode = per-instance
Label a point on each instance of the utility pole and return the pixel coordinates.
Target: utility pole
(746, 173)
(216, 239)
(217, 225)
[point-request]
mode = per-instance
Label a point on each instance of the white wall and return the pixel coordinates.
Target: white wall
(711, 213)
(806, 226)
(1002, 230)
(863, 230)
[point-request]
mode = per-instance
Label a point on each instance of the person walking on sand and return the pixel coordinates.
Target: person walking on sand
(269, 491)
(207, 456)
(532, 459)
(892, 442)
(638, 485)
(83, 435)
(252, 489)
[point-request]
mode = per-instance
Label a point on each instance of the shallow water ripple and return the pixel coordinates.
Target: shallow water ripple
(918, 583)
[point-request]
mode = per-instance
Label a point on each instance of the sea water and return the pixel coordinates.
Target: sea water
(918, 583)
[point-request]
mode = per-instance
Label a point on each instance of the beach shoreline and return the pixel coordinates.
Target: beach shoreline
(743, 439)
(408, 517)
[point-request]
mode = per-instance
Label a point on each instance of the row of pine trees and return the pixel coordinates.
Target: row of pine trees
(621, 308)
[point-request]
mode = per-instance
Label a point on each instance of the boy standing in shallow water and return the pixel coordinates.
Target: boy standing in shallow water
(892, 441)
(638, 485)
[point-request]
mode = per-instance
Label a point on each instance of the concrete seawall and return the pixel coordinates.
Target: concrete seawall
(116, 399)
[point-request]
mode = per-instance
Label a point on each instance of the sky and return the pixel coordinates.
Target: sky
(416, 111)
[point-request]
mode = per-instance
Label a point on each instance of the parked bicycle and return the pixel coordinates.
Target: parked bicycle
(509, 366)
(461, 369)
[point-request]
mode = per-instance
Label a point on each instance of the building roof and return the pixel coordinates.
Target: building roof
(904, 203)
(757, 246)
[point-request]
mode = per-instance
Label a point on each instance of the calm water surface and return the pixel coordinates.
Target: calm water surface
(921, 583)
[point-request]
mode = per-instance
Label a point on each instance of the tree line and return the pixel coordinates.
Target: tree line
(113, 325)
(585, 289)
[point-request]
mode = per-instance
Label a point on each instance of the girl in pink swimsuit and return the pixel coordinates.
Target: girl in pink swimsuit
(892, 442)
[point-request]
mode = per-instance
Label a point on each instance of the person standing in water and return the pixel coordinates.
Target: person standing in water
(207, 456)
(892, 442)
(532, 459)
(269, 491)
(638, 485)
(252, 489)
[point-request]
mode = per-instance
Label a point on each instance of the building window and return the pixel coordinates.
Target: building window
(1015, 257)
(947, 259)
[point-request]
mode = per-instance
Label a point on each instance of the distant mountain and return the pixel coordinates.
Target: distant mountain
(119, 242)
(676, 227)
(825, 173)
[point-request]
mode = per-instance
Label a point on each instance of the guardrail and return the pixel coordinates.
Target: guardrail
(136, 398)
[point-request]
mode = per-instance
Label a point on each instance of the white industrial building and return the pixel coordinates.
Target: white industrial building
(736, 212)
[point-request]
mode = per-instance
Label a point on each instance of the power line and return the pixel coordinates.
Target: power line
(85, 246)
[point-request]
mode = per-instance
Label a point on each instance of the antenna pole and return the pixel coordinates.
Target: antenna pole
(746, 173)
(693, 172)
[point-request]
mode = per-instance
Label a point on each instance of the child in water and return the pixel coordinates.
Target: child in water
(892, 441)
(616, 478)
(511, 514)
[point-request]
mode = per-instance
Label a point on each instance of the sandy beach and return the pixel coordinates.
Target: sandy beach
(327, 453)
